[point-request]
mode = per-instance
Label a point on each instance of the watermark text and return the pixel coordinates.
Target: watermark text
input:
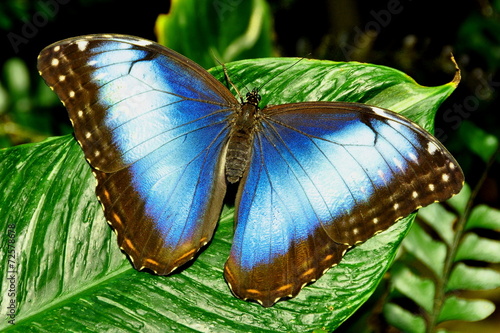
(30, 28)
(11, 262)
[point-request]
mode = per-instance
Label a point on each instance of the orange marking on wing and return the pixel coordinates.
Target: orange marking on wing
(285, 287)
(106, 195)
(187, 254)
(327, 258)
(253, 292)
(152, 261)
(129, 244)
(308, 272)
(117, 219)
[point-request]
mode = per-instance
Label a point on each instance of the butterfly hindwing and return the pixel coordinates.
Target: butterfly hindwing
(324, 177)
(153, 125)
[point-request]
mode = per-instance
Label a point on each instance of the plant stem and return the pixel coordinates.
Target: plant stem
(452, 251)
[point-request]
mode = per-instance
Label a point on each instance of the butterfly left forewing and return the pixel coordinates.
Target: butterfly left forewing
(111, 83)
(324, 177)
(153, 125)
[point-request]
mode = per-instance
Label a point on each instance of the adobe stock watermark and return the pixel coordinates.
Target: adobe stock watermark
(455, 115)
(11, 277)
(225, 6)
(30, 28)
(381, 19)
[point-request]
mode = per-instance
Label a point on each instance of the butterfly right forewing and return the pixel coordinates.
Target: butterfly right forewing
(324, 177)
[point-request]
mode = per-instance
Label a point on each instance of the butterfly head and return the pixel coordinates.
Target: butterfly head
(253, 97)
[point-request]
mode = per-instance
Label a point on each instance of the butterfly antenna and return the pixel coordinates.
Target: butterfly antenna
(228, 79)
(283, 71)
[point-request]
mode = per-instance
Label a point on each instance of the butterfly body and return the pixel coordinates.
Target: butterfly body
(164, 138)
(239, 147)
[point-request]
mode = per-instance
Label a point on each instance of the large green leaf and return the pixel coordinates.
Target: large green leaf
(70, 274)
(215, 31)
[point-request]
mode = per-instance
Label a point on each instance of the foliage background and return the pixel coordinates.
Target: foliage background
(415, 37)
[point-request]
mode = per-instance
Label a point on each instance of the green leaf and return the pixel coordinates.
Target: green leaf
(441, 220)
(479, 34)
(420, 290)
(71, 272)
(455, 308)
(300, 80)
(464, 277)
(16, 77)
(459, 201)
(4, 102)
(434, 295)
(473, 247)
(484, 217)
(478, 141)
(430, 252)
(71, 275)
(209, 32)
(403, 319)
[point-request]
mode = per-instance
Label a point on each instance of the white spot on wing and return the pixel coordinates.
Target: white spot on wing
(431, 187)
(414, 194)
(82, 44)
(62, 77)
(431, 147)
(71, 94)
(452, 166)
(143, 42)
(375, 220)
(413, 157)
(398, 163)
(396, 206)
(445, 177)
(57, 48)
(379, 111)
(54, 62)
(355, 231)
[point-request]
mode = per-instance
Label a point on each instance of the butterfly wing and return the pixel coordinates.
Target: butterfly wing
(153, 125)
(324, 177)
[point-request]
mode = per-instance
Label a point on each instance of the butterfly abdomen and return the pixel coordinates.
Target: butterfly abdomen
(238, 155)
(240, 141)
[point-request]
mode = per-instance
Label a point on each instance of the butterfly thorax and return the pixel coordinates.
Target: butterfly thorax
(241, 138)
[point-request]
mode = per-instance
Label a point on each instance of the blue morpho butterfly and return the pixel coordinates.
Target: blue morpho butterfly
(164, 138)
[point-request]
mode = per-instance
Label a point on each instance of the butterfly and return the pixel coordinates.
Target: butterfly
(165, 138)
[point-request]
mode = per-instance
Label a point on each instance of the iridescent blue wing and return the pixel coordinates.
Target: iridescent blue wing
(322, 178)
(153, 125)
